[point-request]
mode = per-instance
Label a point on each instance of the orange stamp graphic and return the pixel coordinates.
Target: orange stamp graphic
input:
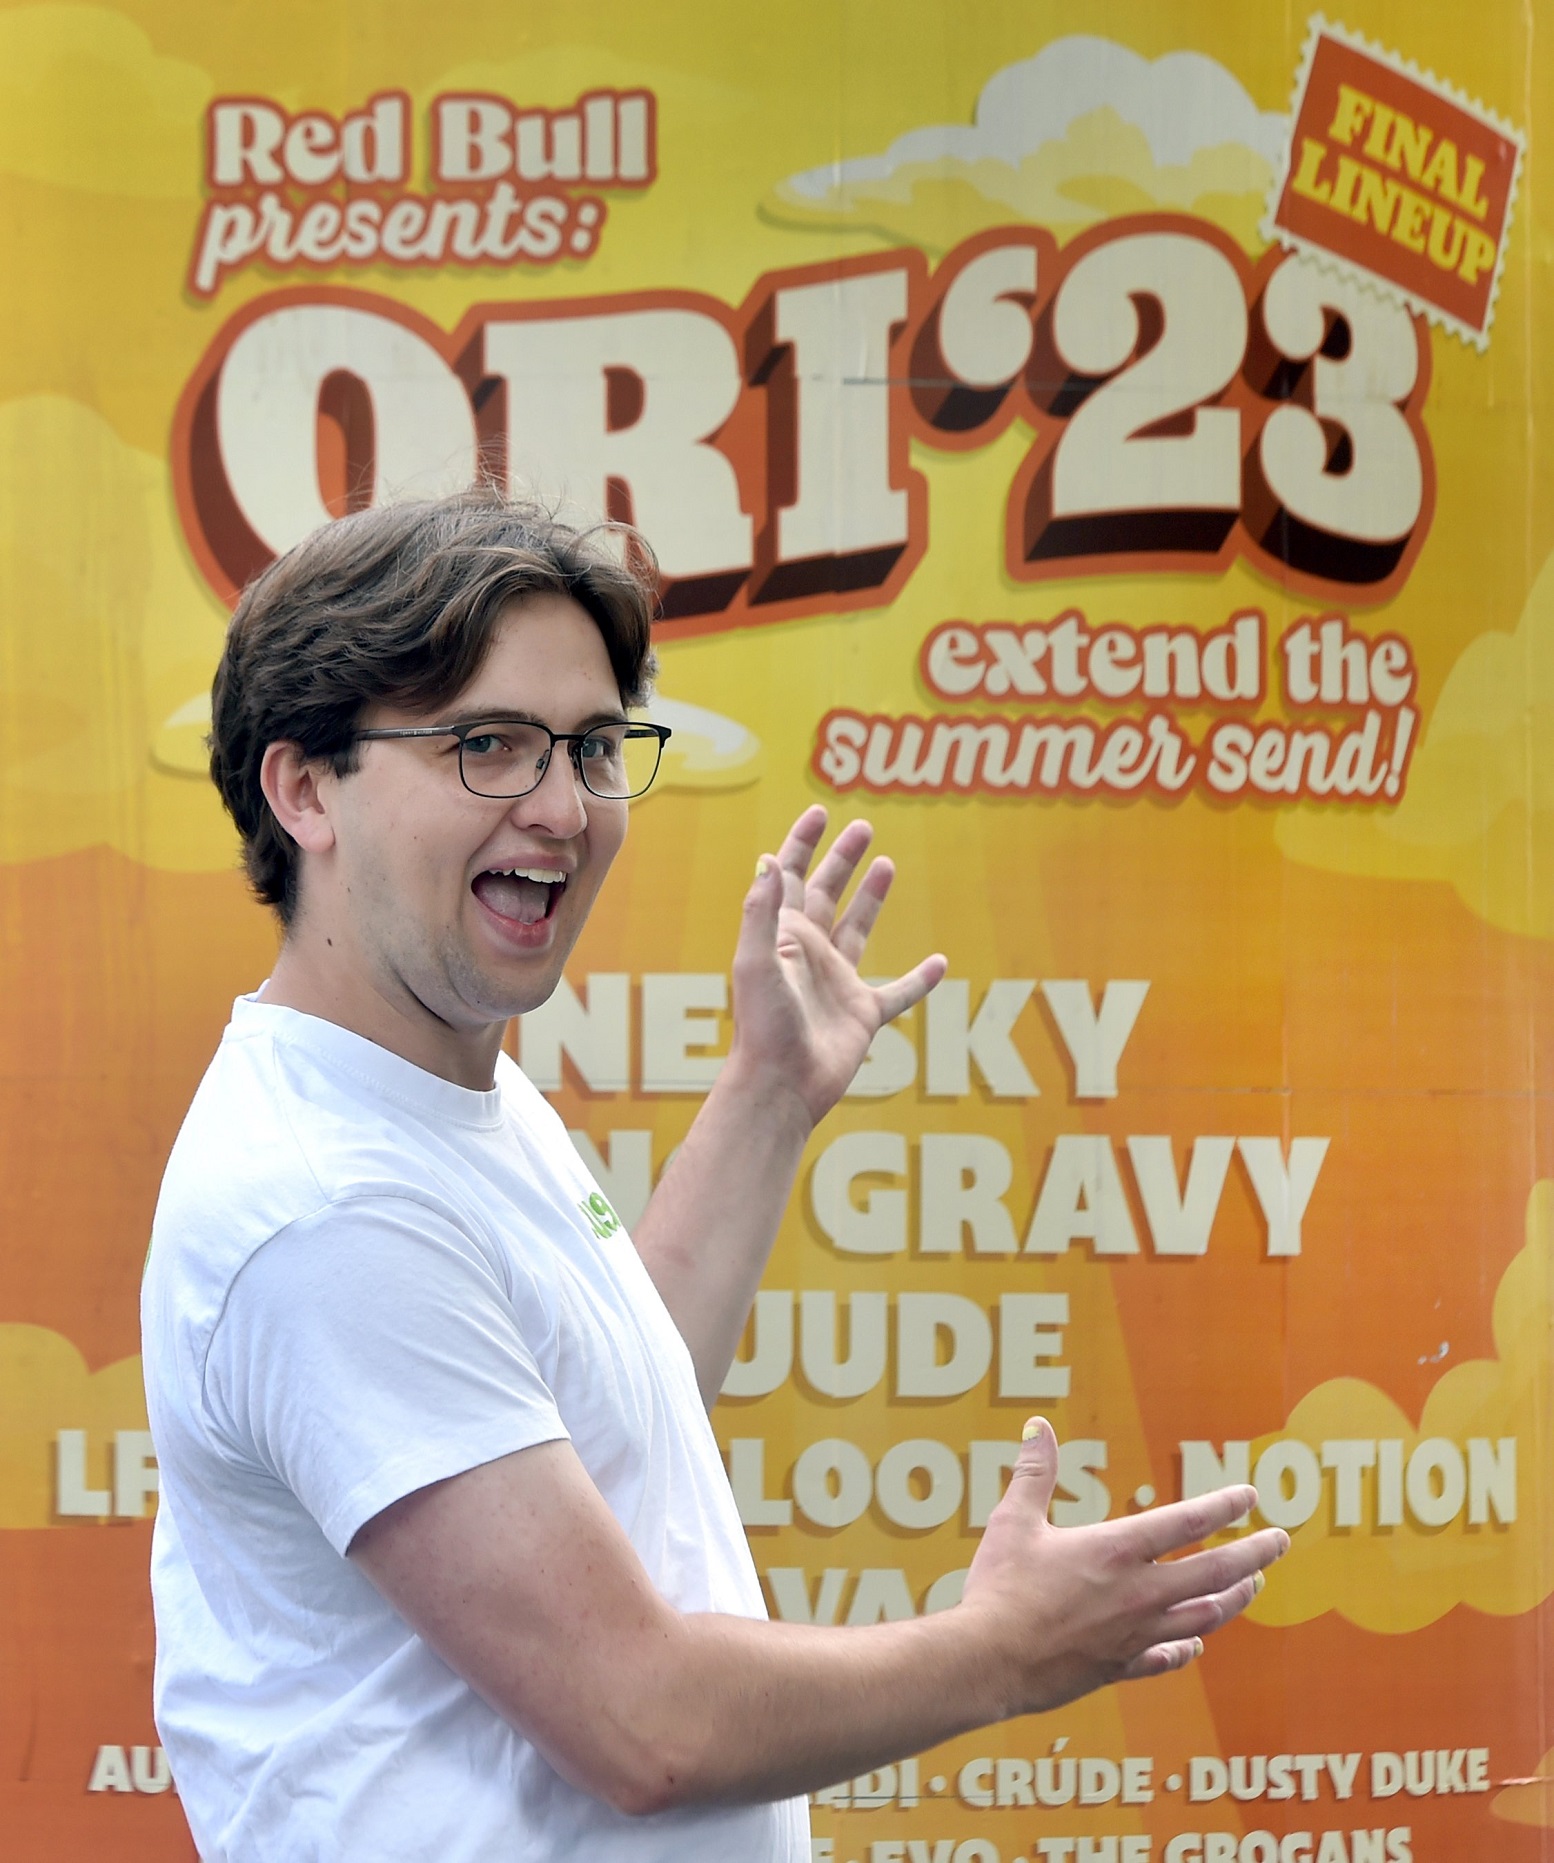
(1397, 179)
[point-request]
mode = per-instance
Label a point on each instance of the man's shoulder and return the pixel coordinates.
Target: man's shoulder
(273, 1136)
(243, 1155)
(296, 1120)
(294, 1113)
(238, 1174)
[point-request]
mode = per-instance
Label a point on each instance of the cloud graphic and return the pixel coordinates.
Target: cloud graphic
(1397, 1579)
(45, 1387)
(1529, 1801)
(108, 642)
(548, 75)
(104, 629)
(1084, 130)
(1479, 807)
(87, 102)
(707, 751)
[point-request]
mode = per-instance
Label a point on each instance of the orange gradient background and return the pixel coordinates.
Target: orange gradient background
(1380, 977)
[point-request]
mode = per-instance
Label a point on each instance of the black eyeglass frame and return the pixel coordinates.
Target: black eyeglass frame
(475, 726)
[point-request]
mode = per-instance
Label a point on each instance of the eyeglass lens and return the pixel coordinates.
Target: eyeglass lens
(508, 759)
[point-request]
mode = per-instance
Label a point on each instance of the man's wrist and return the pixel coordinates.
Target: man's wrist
(978, 1673)
(767, 1092)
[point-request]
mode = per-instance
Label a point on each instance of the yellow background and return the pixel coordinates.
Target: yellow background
(1379, 977)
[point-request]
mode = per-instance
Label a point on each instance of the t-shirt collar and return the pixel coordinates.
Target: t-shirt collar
(366, 1061)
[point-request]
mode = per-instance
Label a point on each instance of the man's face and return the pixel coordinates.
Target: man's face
(463, 905)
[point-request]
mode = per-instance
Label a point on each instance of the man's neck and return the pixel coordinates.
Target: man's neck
(329, 985)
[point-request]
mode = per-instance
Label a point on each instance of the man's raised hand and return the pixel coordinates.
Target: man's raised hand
(803, 1017)
(1064, 1610)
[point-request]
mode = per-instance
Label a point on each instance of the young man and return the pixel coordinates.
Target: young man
(446, 1566)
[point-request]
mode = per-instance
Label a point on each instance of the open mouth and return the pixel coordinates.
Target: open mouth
(525, 895)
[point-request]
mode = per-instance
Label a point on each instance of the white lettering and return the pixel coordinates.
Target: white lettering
(1095, 1041)
(921, 1320)
(963, 1177)
(134, 1472)
(1283, 1191)
(1024, 1337)
(956, 1038)
(567, 435)
(592, 1030)
(267, 414)
(1082, 1199)
(72, 1497)
(877, 1226)
(675, 1020)
(747, 1478)
(1180, 1221)
(840, 334)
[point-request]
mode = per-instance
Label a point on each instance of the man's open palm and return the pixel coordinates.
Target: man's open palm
(802, 1013)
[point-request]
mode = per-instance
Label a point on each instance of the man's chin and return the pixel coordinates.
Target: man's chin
(523, 981)
(517, 971)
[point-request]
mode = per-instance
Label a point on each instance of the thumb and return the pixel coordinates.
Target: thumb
(1035, 1474)
(763, 903)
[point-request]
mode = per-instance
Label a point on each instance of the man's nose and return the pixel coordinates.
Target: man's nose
(558, 801)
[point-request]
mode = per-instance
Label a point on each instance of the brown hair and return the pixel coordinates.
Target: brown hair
(398, 606)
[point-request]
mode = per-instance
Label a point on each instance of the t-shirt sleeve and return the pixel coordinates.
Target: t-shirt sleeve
(368, 1350)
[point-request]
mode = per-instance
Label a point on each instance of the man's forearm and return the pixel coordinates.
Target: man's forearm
(741, 1710)
(520, 1578)
(803, 1021)
(709, 1227)
(630, 1699)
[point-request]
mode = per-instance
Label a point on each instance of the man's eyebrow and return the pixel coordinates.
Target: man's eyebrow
(508, 715)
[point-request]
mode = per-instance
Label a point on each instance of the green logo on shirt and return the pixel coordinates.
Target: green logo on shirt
(601, 1218)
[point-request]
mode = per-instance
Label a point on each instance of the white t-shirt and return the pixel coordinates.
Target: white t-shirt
(362, 1279)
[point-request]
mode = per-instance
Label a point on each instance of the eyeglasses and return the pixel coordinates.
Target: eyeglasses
(507, 757)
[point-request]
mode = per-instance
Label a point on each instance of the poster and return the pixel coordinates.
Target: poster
(1108, 458)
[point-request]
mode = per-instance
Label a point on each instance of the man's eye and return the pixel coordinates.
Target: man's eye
(596, 749)
(484, 744)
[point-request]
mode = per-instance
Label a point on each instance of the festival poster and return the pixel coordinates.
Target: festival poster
(1103, 451)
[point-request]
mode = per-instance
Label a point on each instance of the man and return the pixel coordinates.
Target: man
(446, 1565)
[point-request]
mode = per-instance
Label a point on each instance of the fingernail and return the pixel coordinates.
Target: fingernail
(763, 866)
(1197, 1647)
(1259, 1579)
(1032, 1428)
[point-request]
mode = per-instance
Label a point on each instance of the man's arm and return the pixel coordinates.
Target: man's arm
(803, 1021)
(521, 1579)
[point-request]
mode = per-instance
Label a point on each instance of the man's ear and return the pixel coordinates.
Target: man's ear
(293, 787)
